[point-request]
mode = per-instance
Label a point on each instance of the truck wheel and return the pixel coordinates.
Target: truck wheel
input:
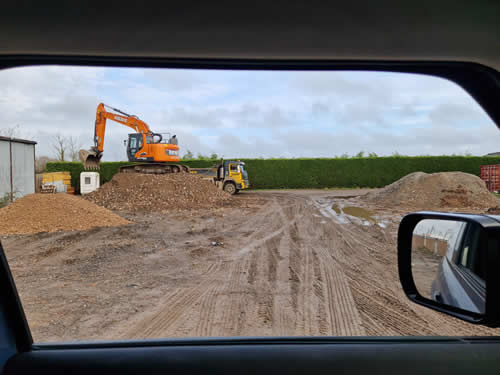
(230, 188)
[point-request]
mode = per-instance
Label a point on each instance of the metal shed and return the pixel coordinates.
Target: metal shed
(17, 167)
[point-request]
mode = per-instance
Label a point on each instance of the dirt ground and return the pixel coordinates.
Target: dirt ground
(425, 268)
(282, 264)
(38, 213)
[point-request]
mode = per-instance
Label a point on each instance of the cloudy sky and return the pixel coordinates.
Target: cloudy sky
(251, 113)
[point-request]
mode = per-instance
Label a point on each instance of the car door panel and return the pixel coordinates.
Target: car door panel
(262, 356)
(290, 356)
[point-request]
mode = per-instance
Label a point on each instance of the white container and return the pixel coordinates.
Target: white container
(89, 182)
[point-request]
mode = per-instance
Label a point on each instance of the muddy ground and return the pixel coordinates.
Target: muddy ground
(284, 264)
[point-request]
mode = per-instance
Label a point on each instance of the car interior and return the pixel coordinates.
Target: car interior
(454, 40)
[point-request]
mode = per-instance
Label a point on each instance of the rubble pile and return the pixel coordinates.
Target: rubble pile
(436, 191)
(37, 213)
(136, 192)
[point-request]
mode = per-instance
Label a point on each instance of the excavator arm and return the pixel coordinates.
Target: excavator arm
(91, 158)
(121, 117)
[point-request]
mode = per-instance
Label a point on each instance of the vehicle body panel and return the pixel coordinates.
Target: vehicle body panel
(456, 285)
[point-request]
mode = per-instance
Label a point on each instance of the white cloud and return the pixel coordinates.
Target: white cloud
(251, 114)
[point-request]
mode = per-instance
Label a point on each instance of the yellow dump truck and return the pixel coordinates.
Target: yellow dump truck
(229, 175)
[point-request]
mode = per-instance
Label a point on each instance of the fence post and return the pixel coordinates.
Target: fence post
(11, 176)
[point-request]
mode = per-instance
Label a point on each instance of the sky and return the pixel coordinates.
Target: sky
(447, 229)
(248, 114)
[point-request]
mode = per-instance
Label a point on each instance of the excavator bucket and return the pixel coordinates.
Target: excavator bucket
(90, 159)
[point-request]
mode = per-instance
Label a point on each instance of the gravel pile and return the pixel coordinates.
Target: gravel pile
(135, 192)
(436, 191)
(37, 213)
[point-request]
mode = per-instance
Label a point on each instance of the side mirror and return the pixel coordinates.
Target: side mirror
(450, 263)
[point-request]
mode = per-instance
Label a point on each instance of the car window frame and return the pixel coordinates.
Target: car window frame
(482, 83)
(460, 253)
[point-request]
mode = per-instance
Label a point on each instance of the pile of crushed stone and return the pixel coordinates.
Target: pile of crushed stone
(36, 213)
(435, 191)
(135, 192)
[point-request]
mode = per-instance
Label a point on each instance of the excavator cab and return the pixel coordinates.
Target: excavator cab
(134, 144)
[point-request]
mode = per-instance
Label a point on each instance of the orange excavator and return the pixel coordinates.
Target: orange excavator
(156, 152)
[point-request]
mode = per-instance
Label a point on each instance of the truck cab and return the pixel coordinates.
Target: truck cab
(232, 172)
(230, 175)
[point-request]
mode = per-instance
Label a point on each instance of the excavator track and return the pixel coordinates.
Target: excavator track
(155, 168)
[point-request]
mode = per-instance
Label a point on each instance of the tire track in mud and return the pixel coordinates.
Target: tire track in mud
(323, 304)
(319, 292)
(242, 298)
(368, 258)
(340, 315)
(389, 314)
(298, 272)
(284, 313)
(374, 289)
(296, 279)
(207, 309)
(233, 294)
(260, 242)
(173, 309)
(286, 268)
(218, 307)
(266, 260)
(175, 305)
(263, 227)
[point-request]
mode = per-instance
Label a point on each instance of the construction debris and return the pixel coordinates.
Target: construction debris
(159, 193)
(48, 189)
(37, 213)
(61, 181)
(436, 191)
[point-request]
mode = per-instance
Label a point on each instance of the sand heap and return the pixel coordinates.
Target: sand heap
(37, 213)
(436, 191)
(163, 193)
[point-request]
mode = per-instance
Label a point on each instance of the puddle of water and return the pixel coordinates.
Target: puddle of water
(364, 216)
(349, 214)
(337, 209)
(360, 213)
(326, 210)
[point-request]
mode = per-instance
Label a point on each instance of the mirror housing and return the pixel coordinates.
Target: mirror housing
(490, 230)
